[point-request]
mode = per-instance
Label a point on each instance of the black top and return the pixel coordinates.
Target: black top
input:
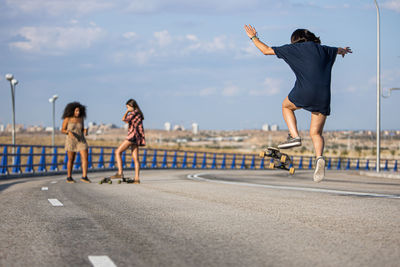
(312, 64)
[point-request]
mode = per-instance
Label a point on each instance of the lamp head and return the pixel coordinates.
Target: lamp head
(14, 82)
(9, 77)
(53, 99)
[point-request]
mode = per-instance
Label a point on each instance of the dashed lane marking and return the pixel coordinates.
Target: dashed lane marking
(55, 202)
(101, 261)
(45, 188)
(54, 182)
(294, 188)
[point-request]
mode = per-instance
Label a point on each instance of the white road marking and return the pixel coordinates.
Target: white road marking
(55, 202)
(294, 188)
(101, 261)
(45, 188)
(54, 182)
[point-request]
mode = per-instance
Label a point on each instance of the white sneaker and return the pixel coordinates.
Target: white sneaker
(319, 172)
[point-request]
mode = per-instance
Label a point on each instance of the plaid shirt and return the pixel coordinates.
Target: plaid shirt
(135, 130)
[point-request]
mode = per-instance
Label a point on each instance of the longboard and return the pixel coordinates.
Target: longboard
(123, 180)
(279, 160)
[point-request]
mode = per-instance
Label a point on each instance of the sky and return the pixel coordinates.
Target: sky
(188, 61)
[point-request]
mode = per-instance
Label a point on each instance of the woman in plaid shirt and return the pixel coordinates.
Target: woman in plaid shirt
(135, 138)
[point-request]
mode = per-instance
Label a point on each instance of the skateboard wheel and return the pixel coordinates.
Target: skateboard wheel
(119, 181)
(100, 182)
(271, 165)
(110, 182)
(291, 170)
(283, 158)
(262, 154)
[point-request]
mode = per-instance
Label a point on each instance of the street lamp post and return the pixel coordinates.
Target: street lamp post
(378, 91)
(53, 101)
(13, 83)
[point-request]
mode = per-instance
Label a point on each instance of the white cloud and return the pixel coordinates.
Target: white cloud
(59, 7)
(130, 35)
(208, 91)
(271, 86)
(231, 90)
(56, 40)
(163, 38)
(392, 5)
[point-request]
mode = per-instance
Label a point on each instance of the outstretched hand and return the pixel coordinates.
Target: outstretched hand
(344, 51)
(250, 30)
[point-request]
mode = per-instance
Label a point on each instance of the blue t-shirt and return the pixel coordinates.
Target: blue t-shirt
(312, 64)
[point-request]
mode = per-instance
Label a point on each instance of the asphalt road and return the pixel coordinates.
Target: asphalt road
(202, 218)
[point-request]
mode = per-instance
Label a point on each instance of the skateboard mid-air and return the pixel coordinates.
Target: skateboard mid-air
(279, 160)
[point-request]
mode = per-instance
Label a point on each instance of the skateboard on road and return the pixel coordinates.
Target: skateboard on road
(279, 160)
(123, 180)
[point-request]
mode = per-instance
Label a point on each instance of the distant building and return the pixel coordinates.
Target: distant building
(265, 127)
(274, 127)
(195, 128)
(2, 127)
(179, 128)
(167, 126)
(91, 124)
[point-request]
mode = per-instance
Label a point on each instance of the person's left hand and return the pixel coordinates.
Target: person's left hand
(250, 30)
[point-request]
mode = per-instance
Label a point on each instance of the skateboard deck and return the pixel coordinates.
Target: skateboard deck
(279, 160)
(123, 180)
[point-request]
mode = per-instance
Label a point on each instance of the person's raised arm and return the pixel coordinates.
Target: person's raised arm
(344, 51)
(252, 34)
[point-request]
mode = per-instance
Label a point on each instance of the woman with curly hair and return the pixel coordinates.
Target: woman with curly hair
(135, 138)
(73, 126)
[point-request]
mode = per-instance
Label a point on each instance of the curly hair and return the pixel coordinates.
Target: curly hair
(70, 109)
(303, 35)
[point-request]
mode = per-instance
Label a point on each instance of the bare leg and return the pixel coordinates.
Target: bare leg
(316, 129)
(288, 109)
(84, 156)
(122, 147)
(70, 164)
(135, 156)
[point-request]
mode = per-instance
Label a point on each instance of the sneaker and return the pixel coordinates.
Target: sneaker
(319, 172)
(85, 180)
(290, 142)
(70, 180)
(117, 176)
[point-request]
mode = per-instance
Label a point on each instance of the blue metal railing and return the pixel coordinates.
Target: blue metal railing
(40, 159)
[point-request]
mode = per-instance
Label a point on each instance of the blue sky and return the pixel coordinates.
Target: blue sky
(190, 61)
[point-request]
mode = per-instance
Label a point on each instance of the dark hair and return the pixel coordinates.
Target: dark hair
(132, 102)
(303, 35)
(70, 109)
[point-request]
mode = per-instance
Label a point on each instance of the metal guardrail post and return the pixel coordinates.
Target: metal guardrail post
(243, 165)
(184, 161)
(65, 162)
(4, 162)
(42, 162)
(90, 159)
(54, 163)
(301, 163)
(214, 162)
(29, 161)
(144, 160)
(233, 165)
(329, 167)
(17, 161)
(253, 163)
(154, 162)
(100, 164)
(262, 164)
(165, 162)
(223, 164)
(348, 166)
(111, 164)
(310, 164)
(175, 160)
(123, 159)
(204, 164)
(367, 165)
(194, 162)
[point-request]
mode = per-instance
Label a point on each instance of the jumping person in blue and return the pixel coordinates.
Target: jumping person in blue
(312, 64)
